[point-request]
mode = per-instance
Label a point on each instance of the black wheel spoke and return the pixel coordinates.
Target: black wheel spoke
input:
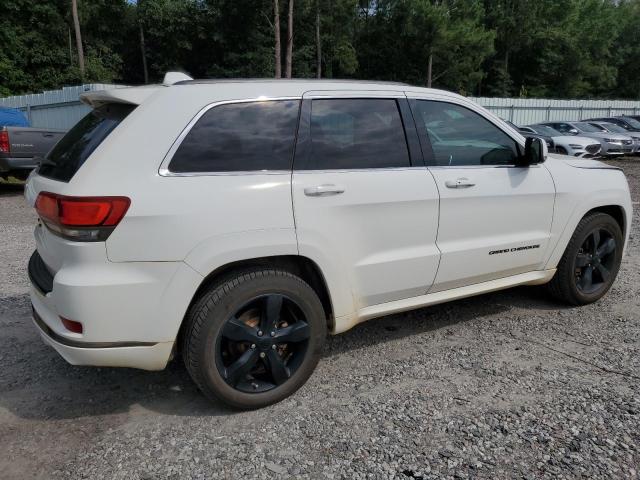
(271, 313)
(586, 282)
(296, 332)
(263, 343)
(276, 366)
(604, 272)
(596, 241)
(238, 331)
(582, 260)
(606, 248)
(239, 369)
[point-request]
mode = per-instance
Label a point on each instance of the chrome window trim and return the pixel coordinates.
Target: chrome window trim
(164, 171)
(368, 169)
(535, 165)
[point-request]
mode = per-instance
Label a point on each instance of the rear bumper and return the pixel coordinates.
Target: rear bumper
(145, 356)
(130, 312)
(8, 164)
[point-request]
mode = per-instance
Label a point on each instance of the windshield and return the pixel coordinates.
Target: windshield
(632, 121)
(544, 130)
(587, 127)
(612, 127)
(68, 155)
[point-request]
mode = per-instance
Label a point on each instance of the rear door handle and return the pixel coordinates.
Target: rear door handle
(459, 183)
(323, 190)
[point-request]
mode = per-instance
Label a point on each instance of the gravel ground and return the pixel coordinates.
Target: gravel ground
(507, 385)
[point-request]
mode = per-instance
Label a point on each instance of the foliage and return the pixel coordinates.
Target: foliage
(552, 48)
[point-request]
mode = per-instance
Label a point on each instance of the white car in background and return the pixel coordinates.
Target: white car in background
(613, 128)
(237, 223)
(613, 144)
(581, 147)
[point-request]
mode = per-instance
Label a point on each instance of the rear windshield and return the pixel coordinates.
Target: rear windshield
(66, 158)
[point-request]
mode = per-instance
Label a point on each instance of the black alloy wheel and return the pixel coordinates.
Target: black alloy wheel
(262, 344)
(595, 260)
(590, 262)
(253, 337)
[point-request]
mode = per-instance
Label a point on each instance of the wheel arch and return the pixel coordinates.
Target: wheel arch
(618, 211)
(615, 211)
(298, 265)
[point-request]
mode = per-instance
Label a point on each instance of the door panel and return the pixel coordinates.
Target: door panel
(495, 217)
(365, 207)
(380, 231)
(497, 227)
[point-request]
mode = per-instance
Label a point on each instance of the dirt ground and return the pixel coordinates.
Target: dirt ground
(506, 385)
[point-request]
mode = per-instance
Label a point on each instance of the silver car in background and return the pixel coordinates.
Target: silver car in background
(574, 146)
(613, 128)
(613, 144)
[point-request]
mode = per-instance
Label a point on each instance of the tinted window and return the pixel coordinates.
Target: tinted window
(612, 127)
(600, 128)
(459, 136)
(249, 136)
(68, 155)
(546, 130)
(632, 121)
(564, 128)
(587, 127)
(356, 133)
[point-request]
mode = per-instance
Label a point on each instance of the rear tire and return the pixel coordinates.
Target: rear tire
(590, 262)
(254, 338)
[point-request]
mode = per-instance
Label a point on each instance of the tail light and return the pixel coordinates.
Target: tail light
(84, 219)
(5, 146)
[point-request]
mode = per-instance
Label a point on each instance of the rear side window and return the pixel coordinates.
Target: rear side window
(252, 136)
(356, 134)
(70, 153)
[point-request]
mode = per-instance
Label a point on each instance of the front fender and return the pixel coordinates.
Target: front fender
(580, 190)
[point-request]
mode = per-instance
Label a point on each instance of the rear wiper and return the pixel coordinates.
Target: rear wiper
(43, 160)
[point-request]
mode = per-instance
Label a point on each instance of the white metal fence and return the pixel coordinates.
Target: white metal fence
(525, 111)
(62, 108)
(54, 108)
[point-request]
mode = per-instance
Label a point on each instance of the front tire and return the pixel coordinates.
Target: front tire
(254, 338)
(590, 262)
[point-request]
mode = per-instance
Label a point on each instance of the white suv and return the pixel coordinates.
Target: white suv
(236, 223)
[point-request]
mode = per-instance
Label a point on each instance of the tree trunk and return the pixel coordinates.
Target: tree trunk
(76, 26)
(276, 28)
(429, 69)
(318, 42)
(70, 49)
(144, 55)
(289, 40)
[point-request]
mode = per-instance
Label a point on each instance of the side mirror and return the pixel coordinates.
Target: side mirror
(573, 131)
(535, 151)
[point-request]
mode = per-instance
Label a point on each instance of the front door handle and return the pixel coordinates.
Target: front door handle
(323, 190)
(459, 183)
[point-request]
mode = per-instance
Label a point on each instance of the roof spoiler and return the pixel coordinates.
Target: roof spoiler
(130, 95)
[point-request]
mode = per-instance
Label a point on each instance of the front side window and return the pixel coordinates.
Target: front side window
(459, 136)
(356, 134)
(252, 136)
